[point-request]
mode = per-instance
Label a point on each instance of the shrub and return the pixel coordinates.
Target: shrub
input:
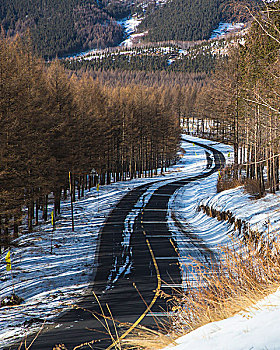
(237, 280)
(253, 187)
(11, 300)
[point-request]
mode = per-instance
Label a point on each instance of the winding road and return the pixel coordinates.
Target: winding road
(131, 270)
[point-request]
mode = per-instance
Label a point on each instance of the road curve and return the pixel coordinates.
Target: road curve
(127, 277)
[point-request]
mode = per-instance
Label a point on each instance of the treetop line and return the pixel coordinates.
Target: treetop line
(52, 123)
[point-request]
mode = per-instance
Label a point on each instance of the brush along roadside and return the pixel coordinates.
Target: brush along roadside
(241, 276)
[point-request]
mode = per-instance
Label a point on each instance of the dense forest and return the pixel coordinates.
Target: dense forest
(202, 62)
(62, 27)
(190, 19)
(114, 78)
(185, 57)
(53, 122)
(59, 27)
(242, 104)
(182, 20)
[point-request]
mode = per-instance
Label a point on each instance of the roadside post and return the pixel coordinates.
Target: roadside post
(97, 189)
(53, 228)
(9, 268)
(71, 196)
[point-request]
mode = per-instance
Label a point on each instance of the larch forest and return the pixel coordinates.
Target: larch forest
(68, 124)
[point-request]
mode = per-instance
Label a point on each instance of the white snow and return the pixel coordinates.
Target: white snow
(50, 283)
(225, 28)
(263, 214)
(257, 329)
(130, 25)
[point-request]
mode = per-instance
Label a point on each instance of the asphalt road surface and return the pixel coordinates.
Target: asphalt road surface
(127, 278)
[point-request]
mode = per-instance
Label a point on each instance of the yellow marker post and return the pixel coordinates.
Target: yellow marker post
(8, 261)
(53, 228)
(97, 189)
(9, 267)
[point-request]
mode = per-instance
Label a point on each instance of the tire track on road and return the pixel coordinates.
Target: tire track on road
(153, 258)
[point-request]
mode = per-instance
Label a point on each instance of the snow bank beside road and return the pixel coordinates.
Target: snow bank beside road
(185, 202)
(50, 283)
(263, 215)
(257, 329)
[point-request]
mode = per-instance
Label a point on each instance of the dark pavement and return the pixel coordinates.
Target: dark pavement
(125, 278)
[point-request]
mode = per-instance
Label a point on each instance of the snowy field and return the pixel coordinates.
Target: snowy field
(51, 283)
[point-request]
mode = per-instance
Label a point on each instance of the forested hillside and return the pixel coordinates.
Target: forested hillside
(242, 103)
(182, 20)
(58, 27)
(190, 19)
(197, 57)
(61, 27)
(202, 63)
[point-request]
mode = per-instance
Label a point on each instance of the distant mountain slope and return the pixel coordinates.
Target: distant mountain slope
(59, 27)
(188, 20)
(182, 20)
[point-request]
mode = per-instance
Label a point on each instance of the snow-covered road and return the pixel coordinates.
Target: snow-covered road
(49, 283)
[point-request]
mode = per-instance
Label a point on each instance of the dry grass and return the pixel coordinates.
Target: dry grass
(226, 184)
(144, 338)
(227, 180)
(242, 277)
(253, 187)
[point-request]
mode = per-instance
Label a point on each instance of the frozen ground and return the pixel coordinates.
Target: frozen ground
(50, 283)
(257, 329)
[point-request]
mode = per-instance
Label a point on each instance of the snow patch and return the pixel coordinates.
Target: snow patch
(256, 329)
(225, 28)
